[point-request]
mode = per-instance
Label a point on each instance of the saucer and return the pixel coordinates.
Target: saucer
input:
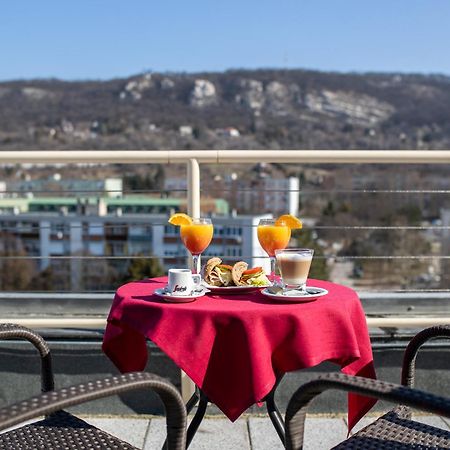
(162, 292)
(312, 293)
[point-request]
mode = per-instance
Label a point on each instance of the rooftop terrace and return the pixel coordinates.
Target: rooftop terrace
(74, 321)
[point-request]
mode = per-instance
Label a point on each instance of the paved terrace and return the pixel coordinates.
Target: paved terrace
(250, 432)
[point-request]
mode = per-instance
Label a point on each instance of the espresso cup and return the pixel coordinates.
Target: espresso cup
(182, 282)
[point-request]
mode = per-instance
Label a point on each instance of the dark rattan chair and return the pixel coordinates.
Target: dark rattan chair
(61, 430)
(394, 430)
(13, 331)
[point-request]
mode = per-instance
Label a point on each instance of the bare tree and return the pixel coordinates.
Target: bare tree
(16, 272)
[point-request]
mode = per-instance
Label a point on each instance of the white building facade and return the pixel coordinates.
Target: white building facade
(50, 235)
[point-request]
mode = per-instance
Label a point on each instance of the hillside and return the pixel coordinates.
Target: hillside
(235, 109)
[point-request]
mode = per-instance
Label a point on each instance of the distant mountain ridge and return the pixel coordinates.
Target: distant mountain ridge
(235, 109)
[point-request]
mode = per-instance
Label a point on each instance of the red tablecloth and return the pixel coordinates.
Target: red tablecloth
(234, 347)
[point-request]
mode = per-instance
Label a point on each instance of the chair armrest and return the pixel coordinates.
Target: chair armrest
(299, 402)
(13, 331)
(53, 401)
(409, 357)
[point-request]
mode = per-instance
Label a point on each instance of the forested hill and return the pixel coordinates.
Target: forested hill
(234, 109)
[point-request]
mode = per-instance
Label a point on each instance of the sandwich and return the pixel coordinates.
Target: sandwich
(252, 277)
(238, 269)
(217, 274)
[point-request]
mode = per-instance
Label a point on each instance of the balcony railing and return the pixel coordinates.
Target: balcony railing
(194, 160)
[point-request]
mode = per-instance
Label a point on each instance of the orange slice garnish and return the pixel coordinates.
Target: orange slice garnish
(289, 220)
(179, 219)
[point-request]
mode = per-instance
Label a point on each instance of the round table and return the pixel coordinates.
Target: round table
(236, 347)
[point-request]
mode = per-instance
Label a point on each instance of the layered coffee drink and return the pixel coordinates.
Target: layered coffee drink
(294, 266)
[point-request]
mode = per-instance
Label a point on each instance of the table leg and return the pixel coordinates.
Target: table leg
(275, 415)
(198, 417)
(193, 400)
(272, 409)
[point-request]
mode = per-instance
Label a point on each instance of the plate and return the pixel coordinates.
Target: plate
(179, 298)
(312, 293)
(231, 289)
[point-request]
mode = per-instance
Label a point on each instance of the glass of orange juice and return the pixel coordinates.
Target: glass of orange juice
(273, 234)
(196, 237)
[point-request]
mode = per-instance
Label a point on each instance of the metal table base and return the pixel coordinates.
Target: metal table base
(199, 397)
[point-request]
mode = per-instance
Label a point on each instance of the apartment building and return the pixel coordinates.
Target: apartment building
(108, 187)
(94, 230)
(251, 196)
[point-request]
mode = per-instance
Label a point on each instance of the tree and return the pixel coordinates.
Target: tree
(43, 281)
(98, 274)
(145, 267)
(15, 272)
(329, 210)
(319, 268)
(389, 244)
(152, 179)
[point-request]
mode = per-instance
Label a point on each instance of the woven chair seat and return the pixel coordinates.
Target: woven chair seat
(60, 431)
(63, 431)
(395, 430)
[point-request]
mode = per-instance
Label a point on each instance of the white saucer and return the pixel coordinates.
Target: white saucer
(312, 293)
(180, 298)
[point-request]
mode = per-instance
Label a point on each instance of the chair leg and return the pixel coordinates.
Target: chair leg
(195, 397)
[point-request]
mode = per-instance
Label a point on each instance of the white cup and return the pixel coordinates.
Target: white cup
(182, 282)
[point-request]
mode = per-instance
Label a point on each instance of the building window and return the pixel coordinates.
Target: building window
(171, 230)
(233, 251)
(117, 248)
(56, 227)
(116, 229)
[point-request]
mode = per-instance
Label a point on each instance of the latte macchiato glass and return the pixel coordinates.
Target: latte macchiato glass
(294, 264)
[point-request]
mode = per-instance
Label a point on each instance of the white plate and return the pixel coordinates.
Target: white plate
(179, 298)
(231, 289)
(312, 293)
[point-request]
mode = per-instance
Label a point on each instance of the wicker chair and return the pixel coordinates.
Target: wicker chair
(61, 430)
(394, 430)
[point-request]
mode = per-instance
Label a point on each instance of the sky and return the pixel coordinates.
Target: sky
(104, 39)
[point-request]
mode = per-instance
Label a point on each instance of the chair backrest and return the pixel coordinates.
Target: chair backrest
(409, 357)
(14, 331)
(300, 400)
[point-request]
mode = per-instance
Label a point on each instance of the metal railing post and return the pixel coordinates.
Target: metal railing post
(193, 193)
(193, 183)
(193, 209)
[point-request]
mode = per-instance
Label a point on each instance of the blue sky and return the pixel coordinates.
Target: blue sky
(92, 39)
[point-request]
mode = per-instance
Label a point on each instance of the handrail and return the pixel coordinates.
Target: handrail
(227, 156)
(93, 323)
